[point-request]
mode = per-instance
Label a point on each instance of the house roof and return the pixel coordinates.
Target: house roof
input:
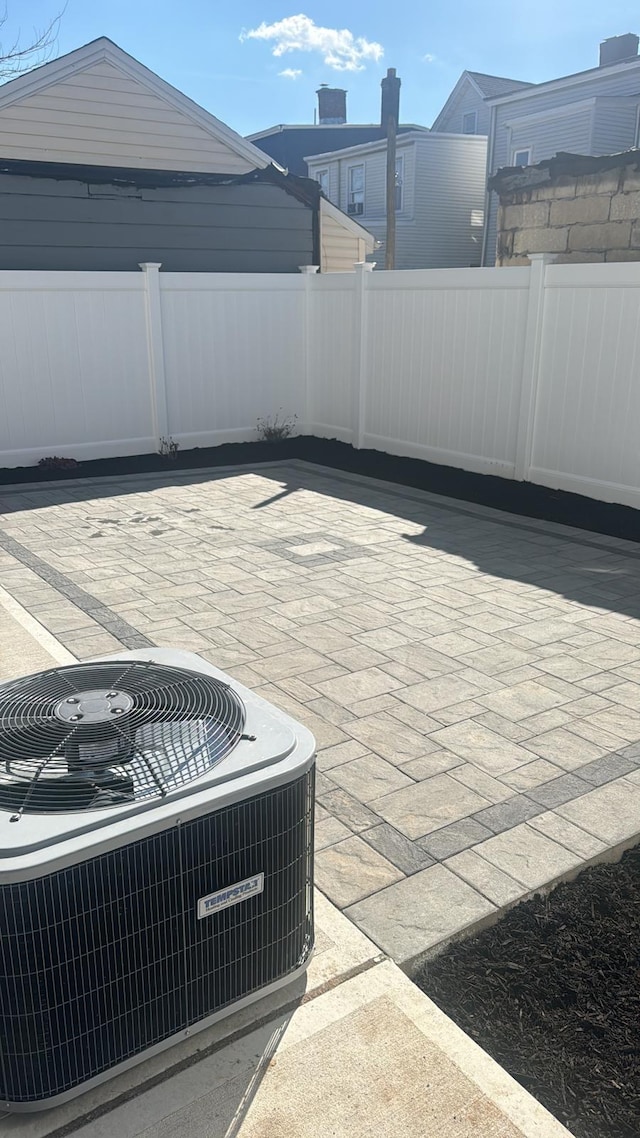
(566, 81)
(484, 85)
(305, 190)
(288, 144)
(492, 85)
(103, 49)
(426, 136)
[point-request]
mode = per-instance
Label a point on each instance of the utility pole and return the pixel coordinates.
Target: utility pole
(389, 119)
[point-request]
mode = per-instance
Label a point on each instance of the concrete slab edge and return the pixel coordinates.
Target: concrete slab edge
(36, 630)
(510, 1097)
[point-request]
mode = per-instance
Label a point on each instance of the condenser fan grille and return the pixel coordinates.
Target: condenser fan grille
(98, 735)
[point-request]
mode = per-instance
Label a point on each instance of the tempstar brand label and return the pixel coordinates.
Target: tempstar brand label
(232, 895)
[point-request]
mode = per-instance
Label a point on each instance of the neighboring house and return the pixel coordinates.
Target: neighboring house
(594, 112)
(440, 192)
(288, 144)
(104, 165)
(466, 110)
(575, 207)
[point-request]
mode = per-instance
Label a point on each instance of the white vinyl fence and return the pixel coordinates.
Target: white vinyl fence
(530, 373)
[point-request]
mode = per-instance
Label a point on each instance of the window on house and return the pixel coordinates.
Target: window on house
(470, 122)
(399, 182)
(322, 178)
(355, 200)
(521, 157)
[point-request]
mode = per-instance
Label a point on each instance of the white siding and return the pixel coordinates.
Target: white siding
(467, 100)
(101, 117)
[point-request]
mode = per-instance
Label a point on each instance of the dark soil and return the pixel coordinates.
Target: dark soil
(552, 992)
(501, 493)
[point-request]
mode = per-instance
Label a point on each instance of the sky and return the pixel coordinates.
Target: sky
(254, 64)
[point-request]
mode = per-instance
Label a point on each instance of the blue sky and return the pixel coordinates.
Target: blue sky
(197, 46)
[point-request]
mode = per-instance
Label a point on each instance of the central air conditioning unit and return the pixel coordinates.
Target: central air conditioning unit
(156, 846)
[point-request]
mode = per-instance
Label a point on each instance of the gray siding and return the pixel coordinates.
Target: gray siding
(450, 181)
(375, 173)
(614, 127)
(571, 131)
(549, 135)
(444, 183)
(468, 100)
(64, 224)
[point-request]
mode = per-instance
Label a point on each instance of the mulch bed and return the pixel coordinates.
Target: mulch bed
(500, 493)
(552, 992)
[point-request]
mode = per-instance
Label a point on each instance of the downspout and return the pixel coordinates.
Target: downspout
(315, 232)
(487, 198)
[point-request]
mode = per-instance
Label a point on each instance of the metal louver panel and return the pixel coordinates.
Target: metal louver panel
(107, 958)
(95, 735)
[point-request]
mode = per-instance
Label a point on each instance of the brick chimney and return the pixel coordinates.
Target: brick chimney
(332, 105)
(618, 49)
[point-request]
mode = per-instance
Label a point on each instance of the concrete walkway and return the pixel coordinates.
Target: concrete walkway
(352, 1051)
(472, 677)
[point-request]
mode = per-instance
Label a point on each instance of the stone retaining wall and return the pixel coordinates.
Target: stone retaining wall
(590, 217)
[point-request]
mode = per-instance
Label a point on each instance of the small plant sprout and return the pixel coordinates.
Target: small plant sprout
(273, 428)
(169, 449)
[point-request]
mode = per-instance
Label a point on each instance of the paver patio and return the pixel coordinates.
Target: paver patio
(472, 677)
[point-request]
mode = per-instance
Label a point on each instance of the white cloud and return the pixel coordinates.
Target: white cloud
(290, 73)
(339, 48)
(428, 58)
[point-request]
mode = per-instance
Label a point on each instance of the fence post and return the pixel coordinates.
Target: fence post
(155, 350)
(363, 268)
(531, 364)
(308, 272)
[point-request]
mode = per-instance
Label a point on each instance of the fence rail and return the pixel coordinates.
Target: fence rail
(530, 373)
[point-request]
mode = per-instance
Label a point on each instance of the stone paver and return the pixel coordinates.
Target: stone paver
(472, 678)
(426, 806)
(353, 869)
(369, 777)
(528, 856)
(610, 813)
(419, 912)
(495, 885)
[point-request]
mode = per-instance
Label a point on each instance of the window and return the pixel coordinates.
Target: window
(355, 198)
(322, 178)
(521, 157)
(399, 182)
(470, 122)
